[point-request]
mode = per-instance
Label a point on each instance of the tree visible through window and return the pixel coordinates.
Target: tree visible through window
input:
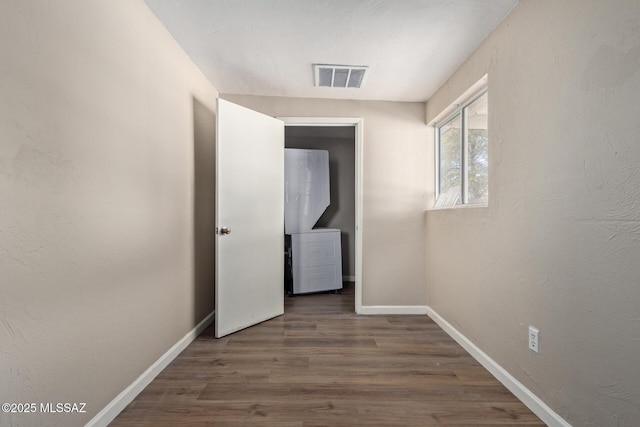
(451, 160)
(462, 155)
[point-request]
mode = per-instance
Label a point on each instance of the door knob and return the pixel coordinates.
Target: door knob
(225, 230)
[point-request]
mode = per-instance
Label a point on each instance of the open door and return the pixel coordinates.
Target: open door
(249, 218)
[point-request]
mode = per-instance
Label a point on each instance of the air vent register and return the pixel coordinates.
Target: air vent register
(343, 76)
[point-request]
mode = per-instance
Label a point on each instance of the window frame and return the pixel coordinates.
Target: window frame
(460, 110)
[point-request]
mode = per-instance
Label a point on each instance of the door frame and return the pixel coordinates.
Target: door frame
(358, 123)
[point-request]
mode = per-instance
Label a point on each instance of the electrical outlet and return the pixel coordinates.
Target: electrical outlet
(534, 339)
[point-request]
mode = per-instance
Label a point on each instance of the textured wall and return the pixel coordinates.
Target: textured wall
(100, 116)
(559, 244)
(340, 142)
(394, 194)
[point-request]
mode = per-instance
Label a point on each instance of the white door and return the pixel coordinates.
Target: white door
(249, 218)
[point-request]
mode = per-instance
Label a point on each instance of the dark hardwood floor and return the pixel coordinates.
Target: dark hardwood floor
(321, 365)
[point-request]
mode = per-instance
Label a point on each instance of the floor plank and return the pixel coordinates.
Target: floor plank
(321, 365)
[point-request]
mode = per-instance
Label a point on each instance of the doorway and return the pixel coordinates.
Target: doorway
(250, 172)
(342, 137)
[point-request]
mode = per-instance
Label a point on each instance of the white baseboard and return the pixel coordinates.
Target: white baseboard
(111, 411)
(537, 406)
(393, 309)
(348, 278)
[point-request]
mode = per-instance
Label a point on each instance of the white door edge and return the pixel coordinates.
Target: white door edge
(358, 123)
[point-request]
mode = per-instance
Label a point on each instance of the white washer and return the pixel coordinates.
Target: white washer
(316, 261)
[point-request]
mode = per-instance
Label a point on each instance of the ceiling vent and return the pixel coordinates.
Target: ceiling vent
(344, 76)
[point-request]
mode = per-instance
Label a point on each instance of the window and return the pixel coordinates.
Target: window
(462, 161)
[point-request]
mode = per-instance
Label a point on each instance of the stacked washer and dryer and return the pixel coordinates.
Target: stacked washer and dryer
(313, 256)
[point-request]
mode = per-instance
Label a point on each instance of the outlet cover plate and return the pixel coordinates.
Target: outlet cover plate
(534, 339)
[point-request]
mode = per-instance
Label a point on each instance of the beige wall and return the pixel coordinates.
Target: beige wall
(341, 213)
(394, 194)
(101, 114)
(558, 246)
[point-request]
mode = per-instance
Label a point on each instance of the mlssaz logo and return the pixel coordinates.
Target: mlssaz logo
(63, 407)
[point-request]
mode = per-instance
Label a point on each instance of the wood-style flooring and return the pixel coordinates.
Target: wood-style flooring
(321, 365)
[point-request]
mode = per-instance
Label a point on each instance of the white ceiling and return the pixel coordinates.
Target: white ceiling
(268, 47)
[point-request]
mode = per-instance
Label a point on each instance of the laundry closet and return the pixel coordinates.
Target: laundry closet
(319, 208)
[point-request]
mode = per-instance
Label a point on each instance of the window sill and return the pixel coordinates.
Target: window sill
(457, 207)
